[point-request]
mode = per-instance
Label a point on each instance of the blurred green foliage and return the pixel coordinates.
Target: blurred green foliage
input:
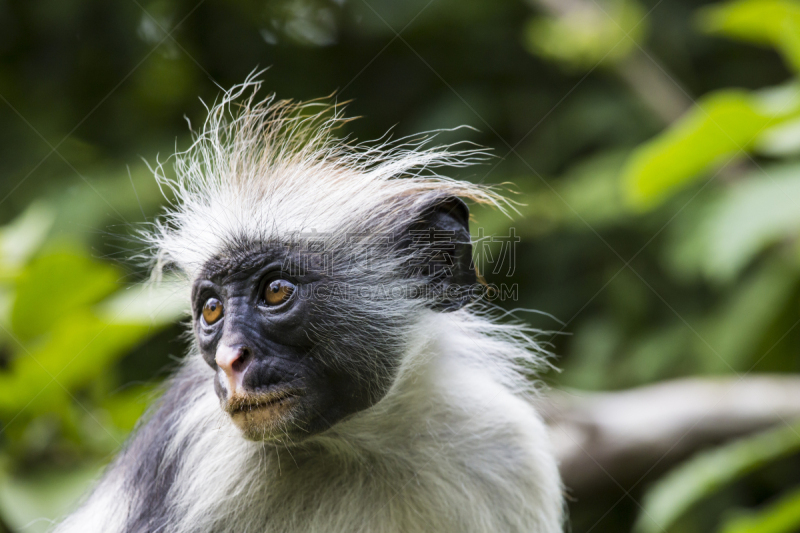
(779, 517)
(756, 212)
(584, 38)
(711, 470)
(654, 148)
(64, 325)
(765, 22)
(721, 126)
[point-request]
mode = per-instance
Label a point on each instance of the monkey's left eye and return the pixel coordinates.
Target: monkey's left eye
(278, 291)
(212, 311)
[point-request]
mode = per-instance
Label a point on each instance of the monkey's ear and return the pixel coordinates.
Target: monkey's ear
(440, 254)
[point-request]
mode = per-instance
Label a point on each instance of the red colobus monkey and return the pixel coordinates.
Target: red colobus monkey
(343, 376)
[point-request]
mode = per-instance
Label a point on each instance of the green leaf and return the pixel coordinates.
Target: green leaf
(581, 38)
(719, 127)
(70, 341)
(767, 22)
(54, 285)
(755, 213)
(80, 348)
(782, 516)
(709, 471)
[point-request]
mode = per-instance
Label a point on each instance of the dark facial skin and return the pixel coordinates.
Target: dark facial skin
(291, 385)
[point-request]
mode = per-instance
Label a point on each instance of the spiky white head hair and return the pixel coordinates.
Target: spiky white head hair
(265, 170)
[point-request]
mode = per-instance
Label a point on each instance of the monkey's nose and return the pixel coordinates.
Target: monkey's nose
(233, 360)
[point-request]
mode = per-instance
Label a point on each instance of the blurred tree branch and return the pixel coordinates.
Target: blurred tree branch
(621, 435)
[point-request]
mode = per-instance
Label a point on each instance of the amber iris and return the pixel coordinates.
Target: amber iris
(212, 311)
(278, 291)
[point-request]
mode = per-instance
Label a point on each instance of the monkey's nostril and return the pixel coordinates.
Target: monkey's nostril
(243, 359)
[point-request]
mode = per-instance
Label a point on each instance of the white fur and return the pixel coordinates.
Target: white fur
(446, 450)
(456, 444)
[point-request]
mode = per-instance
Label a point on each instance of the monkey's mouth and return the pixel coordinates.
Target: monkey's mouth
(265, 417)
(276, 401)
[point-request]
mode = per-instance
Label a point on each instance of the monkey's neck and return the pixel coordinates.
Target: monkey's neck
(444, 394)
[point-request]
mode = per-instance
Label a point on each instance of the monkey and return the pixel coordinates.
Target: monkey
(345, 374)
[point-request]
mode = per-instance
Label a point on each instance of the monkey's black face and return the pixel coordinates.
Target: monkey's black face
(269, 338)
(299, 340)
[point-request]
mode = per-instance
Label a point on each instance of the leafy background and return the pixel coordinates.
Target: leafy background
(654, 144)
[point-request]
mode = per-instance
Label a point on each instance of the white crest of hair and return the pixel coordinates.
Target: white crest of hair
(455, 445)
(256, 167)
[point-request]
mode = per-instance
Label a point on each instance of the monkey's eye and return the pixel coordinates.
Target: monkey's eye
(212, 311)
(278, 291)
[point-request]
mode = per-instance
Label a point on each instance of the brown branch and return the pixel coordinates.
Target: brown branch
(623, 435)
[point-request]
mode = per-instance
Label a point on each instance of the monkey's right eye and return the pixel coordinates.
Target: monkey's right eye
(212, 311)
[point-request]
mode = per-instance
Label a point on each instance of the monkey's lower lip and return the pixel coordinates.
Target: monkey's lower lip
(255, 403)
